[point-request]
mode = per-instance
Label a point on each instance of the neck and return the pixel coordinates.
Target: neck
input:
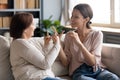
(25, 37)
(83, 32)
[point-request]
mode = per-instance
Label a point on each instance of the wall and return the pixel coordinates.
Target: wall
(52, 7)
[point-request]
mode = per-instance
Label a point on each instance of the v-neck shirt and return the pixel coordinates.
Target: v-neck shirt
(92, 42)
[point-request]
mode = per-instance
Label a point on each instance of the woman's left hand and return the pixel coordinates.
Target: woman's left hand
(55, 37)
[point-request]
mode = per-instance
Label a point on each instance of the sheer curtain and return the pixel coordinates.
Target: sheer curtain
(67, 6)
(64, 19)
(101, 11)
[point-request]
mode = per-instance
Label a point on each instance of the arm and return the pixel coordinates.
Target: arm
(63, 57)
(97, 46)
(64, 54)
(89, 56)
(34, 56)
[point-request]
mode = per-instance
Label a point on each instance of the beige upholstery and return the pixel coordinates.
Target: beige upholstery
(110, 57)
(5, 68)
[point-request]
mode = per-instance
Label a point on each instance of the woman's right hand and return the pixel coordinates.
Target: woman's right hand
(47, 39)
(74, 36)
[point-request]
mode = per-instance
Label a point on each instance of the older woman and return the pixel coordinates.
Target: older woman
(31, 58)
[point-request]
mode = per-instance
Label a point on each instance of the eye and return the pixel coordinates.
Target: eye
(75, 17)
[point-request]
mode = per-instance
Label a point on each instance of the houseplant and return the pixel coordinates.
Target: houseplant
(46, 27)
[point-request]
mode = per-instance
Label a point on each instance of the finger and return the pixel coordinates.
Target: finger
(60, 35)
(62, 32)
(47, 40)
(54, 30)
(47, 34)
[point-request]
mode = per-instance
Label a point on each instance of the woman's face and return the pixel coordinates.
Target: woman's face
(29, 32)
(77, 20)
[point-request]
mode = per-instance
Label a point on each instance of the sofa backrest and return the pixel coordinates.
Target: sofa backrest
(111, 57)
(5, 67)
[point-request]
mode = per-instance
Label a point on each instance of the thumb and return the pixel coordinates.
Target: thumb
(54, 30)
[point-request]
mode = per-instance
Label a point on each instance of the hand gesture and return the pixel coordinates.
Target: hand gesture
(54, 36)
(74, 36)
(47, 39)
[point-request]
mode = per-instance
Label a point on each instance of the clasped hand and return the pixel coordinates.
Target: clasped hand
(74, 36)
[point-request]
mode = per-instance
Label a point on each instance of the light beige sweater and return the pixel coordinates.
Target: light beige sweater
(31, 59)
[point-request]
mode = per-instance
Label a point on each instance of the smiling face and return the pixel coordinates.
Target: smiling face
(77, 20)
(22, 26)
(81, 16)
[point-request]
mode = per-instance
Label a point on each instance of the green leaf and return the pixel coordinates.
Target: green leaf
(47, 23)
(56, 23)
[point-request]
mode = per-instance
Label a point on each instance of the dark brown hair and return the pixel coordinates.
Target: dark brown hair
(20, 21)
(86, 12)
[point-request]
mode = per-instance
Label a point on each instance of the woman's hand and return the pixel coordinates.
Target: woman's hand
(74, 36)
(47, 39)
(55, 37)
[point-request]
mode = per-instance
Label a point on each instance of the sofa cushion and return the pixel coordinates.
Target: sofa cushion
(5, 68)
(111, 57)
(59, 69)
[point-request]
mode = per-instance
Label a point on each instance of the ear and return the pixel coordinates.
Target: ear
(25, 31)
(87, 19)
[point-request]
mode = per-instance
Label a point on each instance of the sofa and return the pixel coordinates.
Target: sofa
(110, 58)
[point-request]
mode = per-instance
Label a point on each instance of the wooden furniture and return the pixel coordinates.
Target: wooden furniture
(9, 7)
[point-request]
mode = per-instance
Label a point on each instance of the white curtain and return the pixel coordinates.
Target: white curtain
(65, 13)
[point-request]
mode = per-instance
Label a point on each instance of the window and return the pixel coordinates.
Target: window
(106, 12)
(117, 11)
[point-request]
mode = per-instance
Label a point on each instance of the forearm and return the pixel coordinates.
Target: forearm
(52, 55)
(63, 57)
(89, 57)
(44, 61)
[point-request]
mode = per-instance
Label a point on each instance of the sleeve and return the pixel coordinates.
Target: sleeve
(67, 47)
(97, 46)
(31, 54)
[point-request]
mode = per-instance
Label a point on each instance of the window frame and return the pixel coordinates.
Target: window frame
(112, 24)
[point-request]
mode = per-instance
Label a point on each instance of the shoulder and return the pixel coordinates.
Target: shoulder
(97, 32)
(20, 43)
(36, 39)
